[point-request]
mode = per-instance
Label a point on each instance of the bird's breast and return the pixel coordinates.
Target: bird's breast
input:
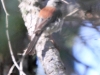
(47, 12)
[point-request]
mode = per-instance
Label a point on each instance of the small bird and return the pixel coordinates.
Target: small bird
(47, 15)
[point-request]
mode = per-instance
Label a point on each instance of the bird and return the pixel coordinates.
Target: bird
(47, 15)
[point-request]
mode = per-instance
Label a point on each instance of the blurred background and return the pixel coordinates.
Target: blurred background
(78, 40)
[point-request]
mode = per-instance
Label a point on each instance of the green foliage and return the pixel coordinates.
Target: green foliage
(16, 31)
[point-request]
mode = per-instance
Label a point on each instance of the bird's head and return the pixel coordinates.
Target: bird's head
(54, 3)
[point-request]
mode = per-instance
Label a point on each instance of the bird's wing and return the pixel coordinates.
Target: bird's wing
(41, 24)
(40, 27)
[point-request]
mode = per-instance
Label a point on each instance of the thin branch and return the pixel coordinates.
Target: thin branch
(21, 66)
(4, 7)
(11, 52)
(74, 11)
(11, 69)
(21, 61)
(7, 34)
(65, 1)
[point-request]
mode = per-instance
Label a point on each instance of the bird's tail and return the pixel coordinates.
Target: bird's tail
(31, 46)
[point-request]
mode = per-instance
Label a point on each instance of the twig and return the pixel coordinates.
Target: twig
(7, 34)
(21, 61)
(71, 13)
(21, 66)
(65, 1)
(11, 69)
(4, 7)
(12, 55)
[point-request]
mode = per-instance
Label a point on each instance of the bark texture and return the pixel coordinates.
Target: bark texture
(49, 57)
(46, 52)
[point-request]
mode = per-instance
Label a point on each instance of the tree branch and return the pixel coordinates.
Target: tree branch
(46, 52)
